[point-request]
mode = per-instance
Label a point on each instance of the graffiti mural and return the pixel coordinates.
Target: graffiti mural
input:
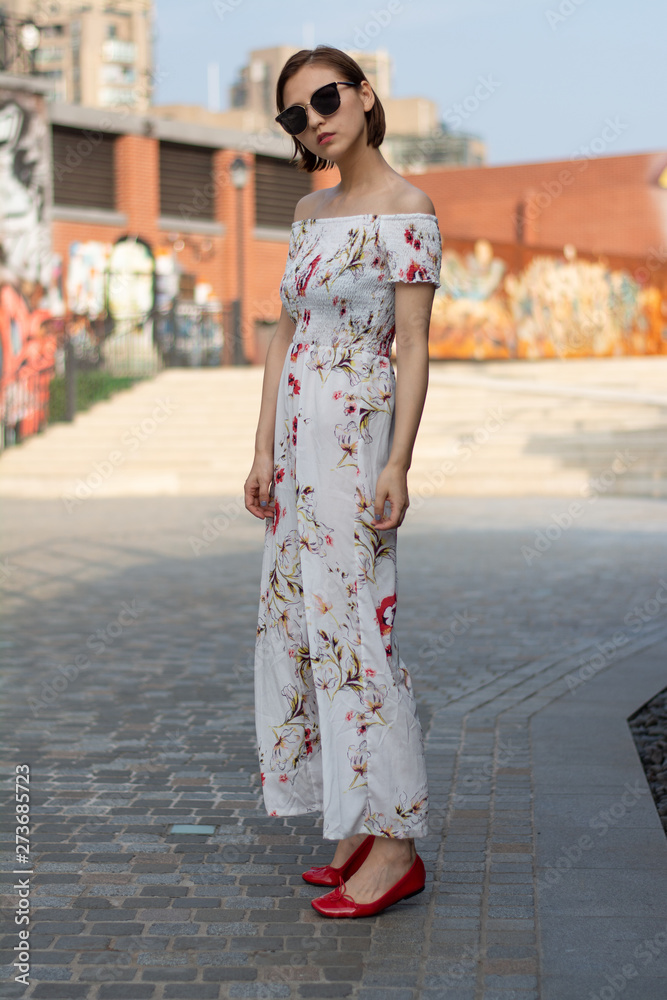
(30, 276)
(553, 307)
(130, 297)
(189, 330)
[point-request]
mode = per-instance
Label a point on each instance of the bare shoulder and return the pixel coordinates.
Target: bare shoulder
(413, 199)
(307, 207)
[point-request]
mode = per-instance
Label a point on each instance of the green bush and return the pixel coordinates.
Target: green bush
(91, 387)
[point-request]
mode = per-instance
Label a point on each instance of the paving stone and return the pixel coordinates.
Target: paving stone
(184, 919)
(196, 991)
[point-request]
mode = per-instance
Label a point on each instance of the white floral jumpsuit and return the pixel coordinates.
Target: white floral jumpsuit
(336, 719)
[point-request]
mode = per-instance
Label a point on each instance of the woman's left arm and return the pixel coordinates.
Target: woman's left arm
(414, 301)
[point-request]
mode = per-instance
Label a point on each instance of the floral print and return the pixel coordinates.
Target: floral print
(336, 717)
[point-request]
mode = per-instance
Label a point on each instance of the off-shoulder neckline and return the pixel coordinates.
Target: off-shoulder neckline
(367, 215)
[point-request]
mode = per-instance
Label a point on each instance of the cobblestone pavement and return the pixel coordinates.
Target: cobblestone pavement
(129, 638)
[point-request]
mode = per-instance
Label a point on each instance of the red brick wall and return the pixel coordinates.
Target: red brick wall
(609, 204)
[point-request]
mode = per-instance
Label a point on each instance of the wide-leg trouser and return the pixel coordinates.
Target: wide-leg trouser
(336, 717)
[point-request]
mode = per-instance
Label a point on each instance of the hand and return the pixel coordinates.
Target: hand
(257, 487)
(392, 485)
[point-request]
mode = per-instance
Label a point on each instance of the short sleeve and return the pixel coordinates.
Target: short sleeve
(413, 247)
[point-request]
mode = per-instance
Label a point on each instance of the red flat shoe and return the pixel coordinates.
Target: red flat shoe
(328, 875)
(340, 904)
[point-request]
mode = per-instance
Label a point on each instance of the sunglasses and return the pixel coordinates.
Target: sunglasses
(325, 100)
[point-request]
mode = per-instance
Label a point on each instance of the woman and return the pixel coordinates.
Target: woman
(336, 718)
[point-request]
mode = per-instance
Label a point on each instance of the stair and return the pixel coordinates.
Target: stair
(571, 428)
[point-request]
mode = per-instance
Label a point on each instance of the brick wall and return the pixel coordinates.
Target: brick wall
(606, 205)
(610, 204)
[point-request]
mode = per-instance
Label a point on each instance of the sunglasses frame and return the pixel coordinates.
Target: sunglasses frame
(336, 84)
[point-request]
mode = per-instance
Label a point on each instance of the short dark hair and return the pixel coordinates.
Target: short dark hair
(350, 70)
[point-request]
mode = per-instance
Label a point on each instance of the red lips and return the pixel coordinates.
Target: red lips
(325, 135)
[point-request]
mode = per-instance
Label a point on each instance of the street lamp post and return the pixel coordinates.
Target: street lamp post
(239, 174)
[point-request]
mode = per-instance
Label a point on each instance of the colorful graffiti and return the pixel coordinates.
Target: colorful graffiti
(554, 307)
(30, 276)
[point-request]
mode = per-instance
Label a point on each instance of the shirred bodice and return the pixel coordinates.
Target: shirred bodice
(338, 285)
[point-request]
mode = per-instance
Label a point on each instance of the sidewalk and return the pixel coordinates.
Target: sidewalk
(130, 693)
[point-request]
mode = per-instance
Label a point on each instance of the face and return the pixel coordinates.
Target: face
(346, 126)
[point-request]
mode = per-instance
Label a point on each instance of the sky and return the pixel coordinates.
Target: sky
(534, 79)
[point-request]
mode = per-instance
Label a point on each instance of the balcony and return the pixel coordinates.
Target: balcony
(116, 51)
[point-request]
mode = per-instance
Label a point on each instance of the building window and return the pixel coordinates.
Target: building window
(187, 189)
(278, 187)
(83, 167)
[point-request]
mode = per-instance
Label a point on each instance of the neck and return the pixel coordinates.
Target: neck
(363, 169)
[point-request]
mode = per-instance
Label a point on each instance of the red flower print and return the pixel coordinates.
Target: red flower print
(417, 244)
(370, 672)
(415, 270)
(385, 614)
(408, 236)
(263, 776)
(276, 516)
(302, 282)
(328, 539)
(298, 348)
(279, 475)
(306, 317)
(283, 777)
(350, 715)
(337, 394)
(274, 813)
(294, 426)
(297, 387)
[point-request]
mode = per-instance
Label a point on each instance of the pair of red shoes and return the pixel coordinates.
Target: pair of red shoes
(340, 904)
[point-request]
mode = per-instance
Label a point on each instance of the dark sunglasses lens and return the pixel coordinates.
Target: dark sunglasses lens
(326, 100)
(294, 120)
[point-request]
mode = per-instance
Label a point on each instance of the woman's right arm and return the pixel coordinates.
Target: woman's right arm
(258, 484)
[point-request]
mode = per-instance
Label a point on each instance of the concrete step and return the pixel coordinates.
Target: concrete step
(201, 441)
